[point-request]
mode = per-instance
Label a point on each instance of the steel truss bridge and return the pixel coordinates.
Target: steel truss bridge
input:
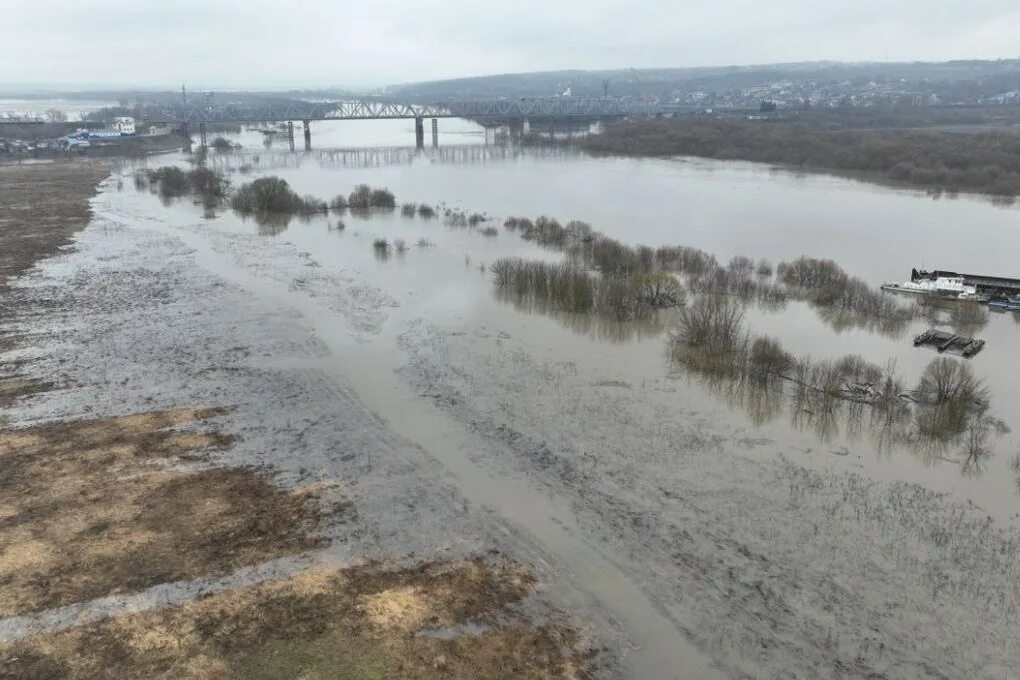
(497, 110)
(368, 109)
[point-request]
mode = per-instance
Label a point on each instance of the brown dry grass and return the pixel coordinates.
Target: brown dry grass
(17, 387)
(41, 206)
(356, 623)
(98, 507)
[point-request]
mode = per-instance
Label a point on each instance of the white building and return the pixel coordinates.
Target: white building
(125, 125)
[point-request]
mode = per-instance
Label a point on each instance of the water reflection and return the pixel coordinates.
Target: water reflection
(934, 432)
(376, 157)
(596, 326)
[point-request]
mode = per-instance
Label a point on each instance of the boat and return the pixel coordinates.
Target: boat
(1001, 304)
(945, 287)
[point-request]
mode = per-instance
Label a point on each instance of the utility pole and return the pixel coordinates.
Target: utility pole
(184, 94)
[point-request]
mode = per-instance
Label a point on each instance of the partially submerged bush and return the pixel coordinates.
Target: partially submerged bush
(950, 397)
(173, 182)
(408, 210)
(567, 287)
(490, 231)
(273, 196)
(426, 211)
(382, 198)
(767, 359)
(211, 185)
(364, 197)
(221, 144)
(660, 289)
(712, 323)
(338, 204)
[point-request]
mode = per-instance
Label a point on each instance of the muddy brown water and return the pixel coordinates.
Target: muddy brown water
(874, 232)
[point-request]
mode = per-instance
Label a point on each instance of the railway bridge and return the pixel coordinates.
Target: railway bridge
(513, 111)
(518, 112)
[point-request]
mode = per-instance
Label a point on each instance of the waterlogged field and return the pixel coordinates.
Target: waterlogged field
(720, 453)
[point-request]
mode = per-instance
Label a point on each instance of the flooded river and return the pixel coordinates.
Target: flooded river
(442, 283)
(725, 208)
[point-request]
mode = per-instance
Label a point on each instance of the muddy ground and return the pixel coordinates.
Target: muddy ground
(159, 466)
(779, 569)
(438, 620)
(771, 567)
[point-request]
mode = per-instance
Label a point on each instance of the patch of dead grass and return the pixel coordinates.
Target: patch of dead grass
(357, 623)
(98, 507)
(41, 206)
(16, 387)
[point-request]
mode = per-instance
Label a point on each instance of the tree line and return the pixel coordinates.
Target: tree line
(987, 163)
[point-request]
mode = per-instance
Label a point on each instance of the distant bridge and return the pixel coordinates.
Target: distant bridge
(371, 109)
(375, 109)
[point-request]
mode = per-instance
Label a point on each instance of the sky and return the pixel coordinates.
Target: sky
(324, 43)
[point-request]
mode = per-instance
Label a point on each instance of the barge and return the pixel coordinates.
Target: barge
(944, 341)
(955, 286)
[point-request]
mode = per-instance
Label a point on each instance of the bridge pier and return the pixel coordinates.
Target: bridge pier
(419, 133)
(526, 127)
(435, 133)
(308, 134)
(290, 133)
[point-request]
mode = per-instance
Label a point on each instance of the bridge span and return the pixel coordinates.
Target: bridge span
(515, 112)
(373, 109)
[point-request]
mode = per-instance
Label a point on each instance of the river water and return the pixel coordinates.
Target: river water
(727, 208)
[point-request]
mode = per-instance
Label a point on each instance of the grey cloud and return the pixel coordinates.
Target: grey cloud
(323, 42)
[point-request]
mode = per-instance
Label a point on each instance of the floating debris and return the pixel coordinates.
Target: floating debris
(944, 341)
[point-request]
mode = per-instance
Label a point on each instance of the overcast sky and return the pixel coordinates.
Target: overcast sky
(257, 43)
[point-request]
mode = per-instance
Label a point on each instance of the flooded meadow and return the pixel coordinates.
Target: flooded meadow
(720, 459)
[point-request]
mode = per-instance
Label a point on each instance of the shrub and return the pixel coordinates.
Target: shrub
(360, 198)
(426, 211)
(768, 360)
(211, 185)
(266, 195)
(659, 289)
(222, 144)
(611, 257)
(408, 210)
(382, 198)
(338, 204)
(714, 323)
(490, 231)
(364, 197)
(171, 181)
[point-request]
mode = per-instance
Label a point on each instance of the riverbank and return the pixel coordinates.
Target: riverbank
(980, 163)
(164, 475)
